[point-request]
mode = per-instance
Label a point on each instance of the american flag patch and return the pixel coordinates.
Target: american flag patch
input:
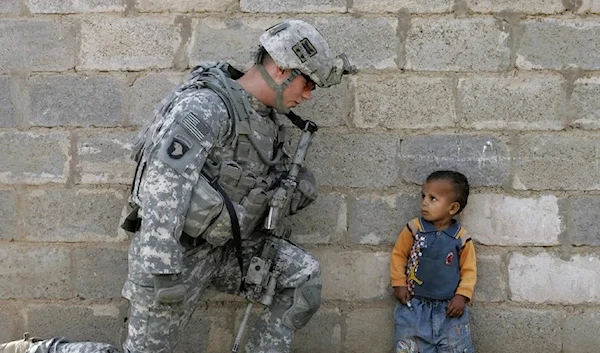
(195, 126)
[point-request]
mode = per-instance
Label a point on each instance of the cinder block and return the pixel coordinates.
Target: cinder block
(556, 44)
(184, 5)
(513, 221)
(323, 333)
(99, 273)
(11, 7)
(350, 160)
(542, 162)
(354, 275)
(584, 105)
(393, 6)
(330, 106)
(491, 286)
(585, 220)
(516, 330)
(529, 280)
(448, 44)
(73, 215)
(399, 102)
(8, 214)
(34, 157)
(11, 323)
(526, 7)
(8, 113)
(104, 157)
(291, 6)
(146, 94)
(522, 102)
(587, 6)
(34, 272)
(376, 220)
(577, 329)
(323, 222)
(133, 43)
(79, 323)
(484, 160)
(209, 331)
(74, 100)
(370, 330)
(80, 6)
(37, 45)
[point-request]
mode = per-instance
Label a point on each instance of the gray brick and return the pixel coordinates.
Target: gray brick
(323, 222)
(37, 45)
(8, 214)
(589, 6)
(522, 102)
(10, 6)
(491, 286)
(184, 5)
(376, 220)
(584, 106)
(11, 323)
(524, 7)
(323, 333)
(33, 157)
(349, 160)
(369, 42)
(104, 157)
(483, 159)
(291, 6)
(576, 332)
(369, 330)
(559, 44)
(8, 113)
(516, 330)
(80, 6)
(556, 163)
(209, 331)
(133, 43)
(95, 322)
(99, 273)
(74, 100)
(381, 6)
(330, 106)
(73, 215)
(585, 220)
(28, 272)
(529, 280)
(490, 218)
(397, 102)
(146, 94)
(444, 44)
(349, 275)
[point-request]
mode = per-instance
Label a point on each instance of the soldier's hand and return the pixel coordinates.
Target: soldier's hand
(402, 294)
(456, 306)
(306, 191)
(169, 289)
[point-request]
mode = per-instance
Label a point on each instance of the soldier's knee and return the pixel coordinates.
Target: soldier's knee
(305, 301)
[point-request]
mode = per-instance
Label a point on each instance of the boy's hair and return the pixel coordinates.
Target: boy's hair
(460, 185)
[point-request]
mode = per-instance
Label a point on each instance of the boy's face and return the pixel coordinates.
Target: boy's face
(438, 201)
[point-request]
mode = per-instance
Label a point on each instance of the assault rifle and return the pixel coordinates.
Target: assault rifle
(261, 278)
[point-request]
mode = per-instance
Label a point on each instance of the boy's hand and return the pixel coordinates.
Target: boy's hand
(402, 294)
(456, 306)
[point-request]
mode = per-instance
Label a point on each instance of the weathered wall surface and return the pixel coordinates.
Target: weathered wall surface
(507, 92)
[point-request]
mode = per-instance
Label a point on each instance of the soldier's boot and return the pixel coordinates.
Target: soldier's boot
(20, 346)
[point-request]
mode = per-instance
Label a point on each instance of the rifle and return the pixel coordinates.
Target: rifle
(261, 278)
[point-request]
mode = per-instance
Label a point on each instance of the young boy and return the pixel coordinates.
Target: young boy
(433, 272)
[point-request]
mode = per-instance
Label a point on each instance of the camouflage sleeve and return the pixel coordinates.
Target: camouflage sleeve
(173, 169)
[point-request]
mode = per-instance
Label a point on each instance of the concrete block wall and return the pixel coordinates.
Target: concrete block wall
(507, 92)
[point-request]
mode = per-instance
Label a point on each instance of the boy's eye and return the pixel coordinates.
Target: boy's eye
(422, 196)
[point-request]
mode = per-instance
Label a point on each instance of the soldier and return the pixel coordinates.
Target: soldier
(207, 167)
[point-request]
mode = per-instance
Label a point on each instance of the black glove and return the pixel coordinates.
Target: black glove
(306, 192)
(169, 289)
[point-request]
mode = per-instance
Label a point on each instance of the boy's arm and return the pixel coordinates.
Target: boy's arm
(400, 258)
(468, 270)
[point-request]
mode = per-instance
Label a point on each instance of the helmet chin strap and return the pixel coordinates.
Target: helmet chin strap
(279, 106)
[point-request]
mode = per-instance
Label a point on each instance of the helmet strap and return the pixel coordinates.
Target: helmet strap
(279, 106)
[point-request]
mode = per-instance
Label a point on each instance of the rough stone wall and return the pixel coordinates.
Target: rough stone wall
(507, 92)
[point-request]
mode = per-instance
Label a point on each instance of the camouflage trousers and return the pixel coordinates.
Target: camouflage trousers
(156, 328)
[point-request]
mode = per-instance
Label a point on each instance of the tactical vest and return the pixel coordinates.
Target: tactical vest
(243, 163)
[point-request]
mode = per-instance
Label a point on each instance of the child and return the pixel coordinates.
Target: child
(433, 272)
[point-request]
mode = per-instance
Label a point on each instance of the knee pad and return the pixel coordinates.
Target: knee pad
(305, 301)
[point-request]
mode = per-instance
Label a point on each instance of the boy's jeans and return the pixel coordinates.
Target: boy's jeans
(425, 327)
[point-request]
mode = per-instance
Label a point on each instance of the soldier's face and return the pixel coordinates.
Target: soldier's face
(298, 91)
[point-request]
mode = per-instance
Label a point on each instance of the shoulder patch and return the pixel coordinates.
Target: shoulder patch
(179, 146)
(196, 127)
